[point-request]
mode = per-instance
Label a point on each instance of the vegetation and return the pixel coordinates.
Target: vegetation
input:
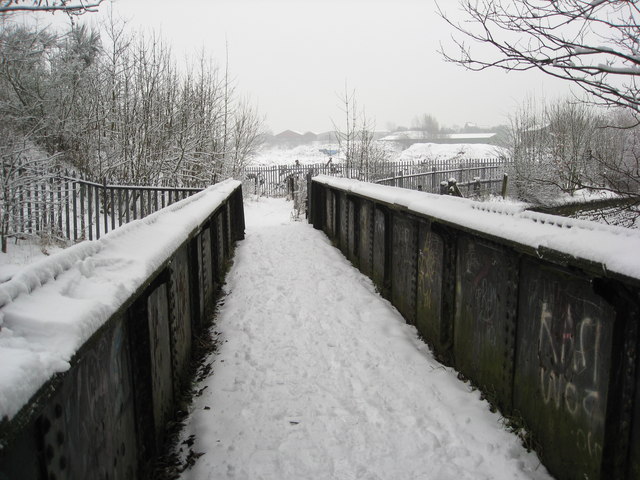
(568, 145)
(357, 139)
(116, 105)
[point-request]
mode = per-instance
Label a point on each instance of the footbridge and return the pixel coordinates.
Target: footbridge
(459, 311)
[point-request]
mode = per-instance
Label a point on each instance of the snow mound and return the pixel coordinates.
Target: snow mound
(304, 154)
(426, 152)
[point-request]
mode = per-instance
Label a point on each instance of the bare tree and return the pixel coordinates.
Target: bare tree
(246, 136)
(363, 156)
(346, 136)
(77, 7)
(591, 43)
(121, 109)
(566, 146)
(428, 124)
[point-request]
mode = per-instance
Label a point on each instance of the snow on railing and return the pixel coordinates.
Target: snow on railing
(49, 309)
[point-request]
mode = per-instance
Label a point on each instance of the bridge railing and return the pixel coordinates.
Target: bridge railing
(539, 312)
(61, 205)
(105, 414)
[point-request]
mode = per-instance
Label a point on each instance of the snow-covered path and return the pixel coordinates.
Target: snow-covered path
(318, 377)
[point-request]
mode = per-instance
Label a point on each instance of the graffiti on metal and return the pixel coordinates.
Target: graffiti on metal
(563, 364)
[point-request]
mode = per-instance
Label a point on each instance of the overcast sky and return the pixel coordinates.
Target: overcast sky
(293, 57)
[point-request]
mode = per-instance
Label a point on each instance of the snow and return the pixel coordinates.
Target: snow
(422, 135)
(419, 152)
(316, 376)
(22, 252)
(305, 154)
(614, 247)
(424, 152)
(49, 308)
(582, 196)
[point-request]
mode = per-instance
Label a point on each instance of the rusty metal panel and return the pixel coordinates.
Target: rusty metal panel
(205, 266)
(565, 334)
(160, 350)
(634, 450)
(223, 214)
(181, 322)
(343, 227)
(88, 426)
(429, 320)
(484, 322)
(404, 265)
(353, 230)
(21, 457)
(379, 249)
(330, 213)
(220, 248)
(200, 276)
(365, 244)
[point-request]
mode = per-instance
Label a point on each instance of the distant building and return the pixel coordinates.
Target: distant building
(309, 137)
(291, 138)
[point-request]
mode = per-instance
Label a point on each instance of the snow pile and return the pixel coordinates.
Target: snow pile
(318, 377)
(582, 196)
(418, 152)
(51, 307)
(614, 247)
(426, 152)
(305, 154)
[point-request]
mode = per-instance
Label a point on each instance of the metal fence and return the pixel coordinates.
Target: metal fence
(69, 208)
(64, 206)
(473, 178)
(274, 181)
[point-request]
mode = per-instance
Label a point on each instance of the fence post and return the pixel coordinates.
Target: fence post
(505, 181)
(476, 185)
(105, 214)
(433, 179)
(452, 187)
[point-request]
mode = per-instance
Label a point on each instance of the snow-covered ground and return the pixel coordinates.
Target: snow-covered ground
(305, 154)
(425, 152)
(420, 152)
(318, 377)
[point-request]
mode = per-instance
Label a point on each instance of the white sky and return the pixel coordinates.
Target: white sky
(293, 57)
